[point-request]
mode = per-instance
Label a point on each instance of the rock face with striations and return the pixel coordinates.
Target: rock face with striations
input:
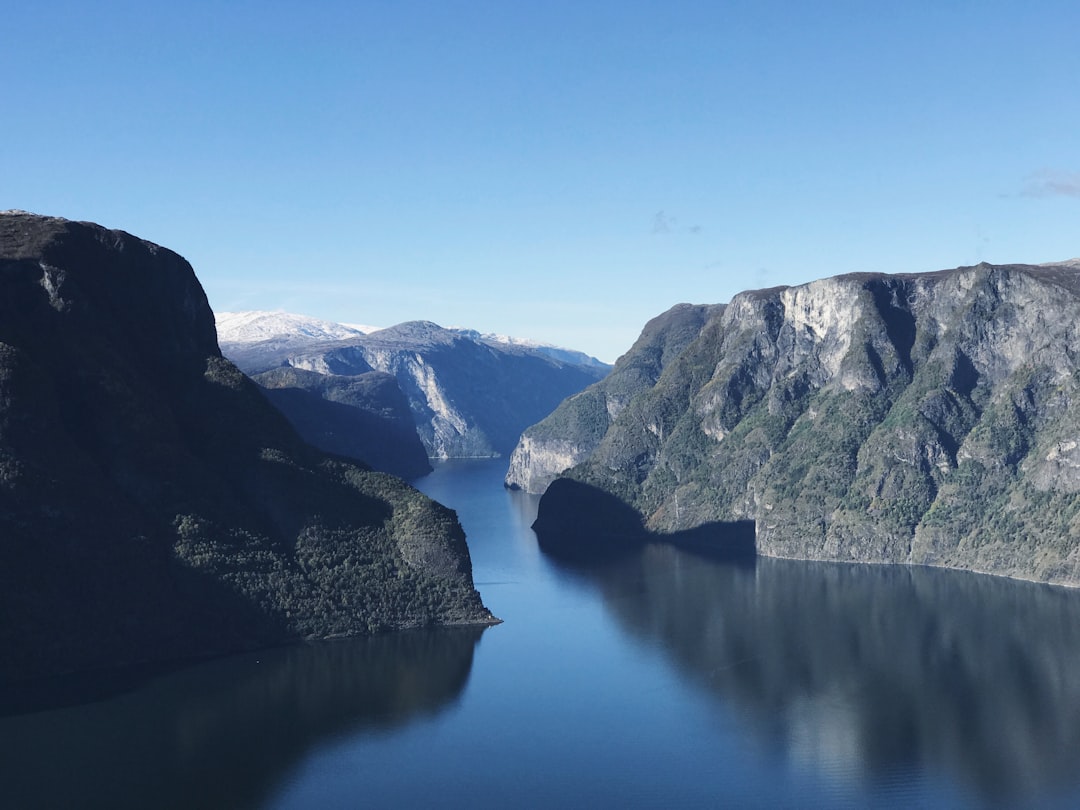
(926, 418)
(153, 505)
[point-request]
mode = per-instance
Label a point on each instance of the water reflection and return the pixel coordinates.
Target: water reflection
(873, 673)
(224, 734)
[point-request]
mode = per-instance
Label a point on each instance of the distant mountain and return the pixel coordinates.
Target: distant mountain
(556, 352)
(284, 327)
(153, 505)
(364, 417)
(926, 418)
(470, 395)
(271, 333)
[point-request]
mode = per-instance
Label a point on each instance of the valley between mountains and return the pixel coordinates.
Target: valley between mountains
(157, 503)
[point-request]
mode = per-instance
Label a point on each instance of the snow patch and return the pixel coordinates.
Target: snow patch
(259, 326)
(287, 329)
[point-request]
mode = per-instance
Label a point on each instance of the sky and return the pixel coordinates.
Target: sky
(561, 171)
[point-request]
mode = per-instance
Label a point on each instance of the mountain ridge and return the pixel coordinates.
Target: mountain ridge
(470, 395)
(241, 327)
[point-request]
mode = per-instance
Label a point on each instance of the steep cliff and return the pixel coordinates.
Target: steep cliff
(364, 417)
(470, 395)
(574, 429)
(153, 505)
(925, 418)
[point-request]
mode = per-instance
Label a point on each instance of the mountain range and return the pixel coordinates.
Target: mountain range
(926, 418)
(469, 394)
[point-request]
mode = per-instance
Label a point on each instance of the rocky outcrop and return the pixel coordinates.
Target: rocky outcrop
(925, 418)
(153, 505)
(470, 396)
(536, 462)
(573, 430)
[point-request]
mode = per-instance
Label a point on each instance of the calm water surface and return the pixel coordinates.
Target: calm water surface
(660, 679)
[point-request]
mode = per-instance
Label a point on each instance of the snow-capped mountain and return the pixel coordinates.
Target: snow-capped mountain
(285, 328)
(469, 394)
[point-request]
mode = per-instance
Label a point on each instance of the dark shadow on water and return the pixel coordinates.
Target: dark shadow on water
(577, 522)
(227, 732)
(733, 541)
(63, 691)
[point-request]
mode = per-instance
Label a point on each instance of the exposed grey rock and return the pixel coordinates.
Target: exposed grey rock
(924, 418)
(573, 430)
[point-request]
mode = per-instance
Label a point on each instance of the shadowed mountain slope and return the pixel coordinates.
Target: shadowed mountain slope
(364, 417)
(153, 505)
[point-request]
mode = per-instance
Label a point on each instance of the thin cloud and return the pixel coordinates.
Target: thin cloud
(1052, 183)
(664, 224)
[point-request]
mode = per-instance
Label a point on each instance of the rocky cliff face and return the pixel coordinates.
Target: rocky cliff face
(153, 505)
(921, 419)
(364, 417)
(574, 430)
(470, 396)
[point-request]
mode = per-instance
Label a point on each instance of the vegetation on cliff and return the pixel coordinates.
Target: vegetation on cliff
(925, 418)
(575, 428)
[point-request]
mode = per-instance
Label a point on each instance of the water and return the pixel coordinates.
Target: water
(660, 679)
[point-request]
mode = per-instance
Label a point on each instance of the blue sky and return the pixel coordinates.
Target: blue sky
(555, 170)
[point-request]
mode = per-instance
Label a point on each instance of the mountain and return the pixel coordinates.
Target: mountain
(922, 418)
(261, 340)
(470, 394)
(363, 417)
(153, 505)
(273, 331)
(573, 430)
(571, 356)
